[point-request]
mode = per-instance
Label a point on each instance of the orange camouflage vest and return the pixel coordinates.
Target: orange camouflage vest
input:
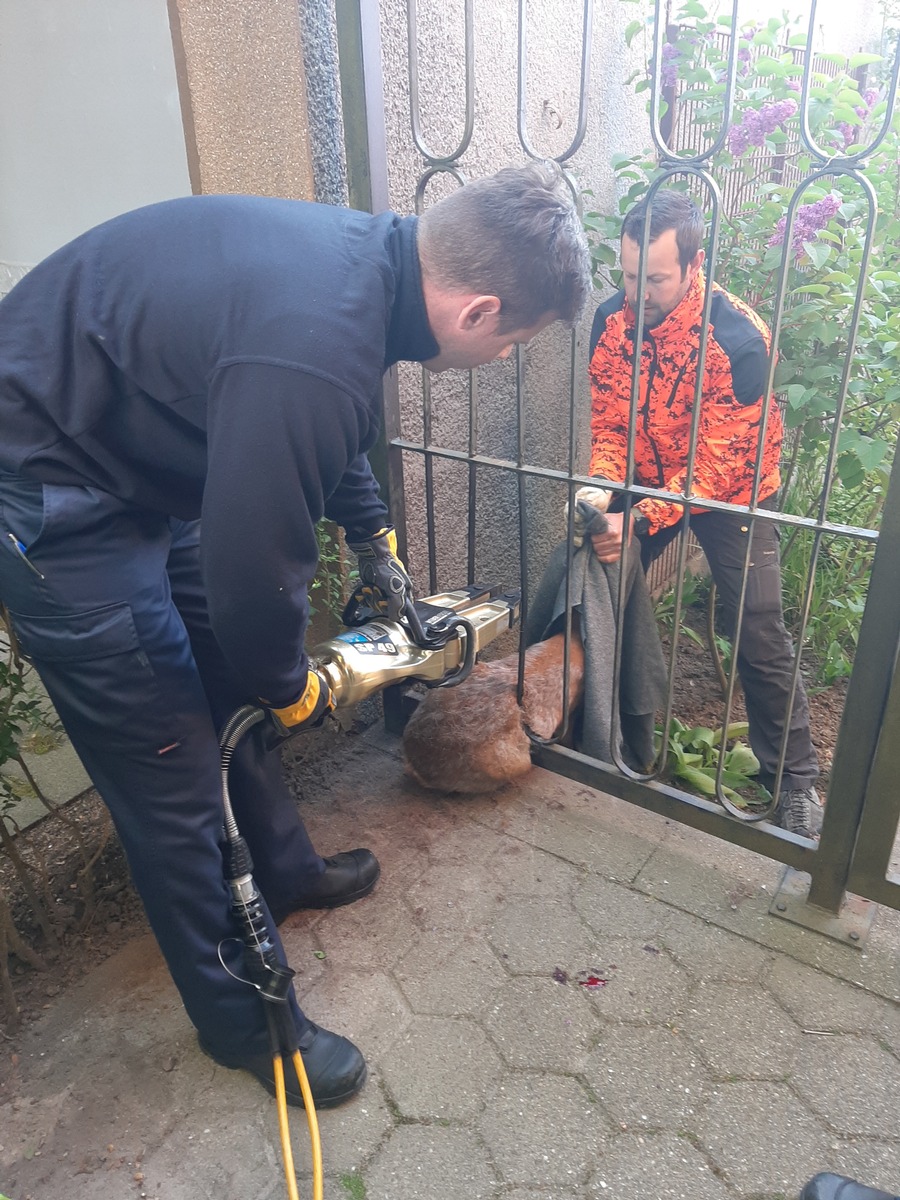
(731, 406)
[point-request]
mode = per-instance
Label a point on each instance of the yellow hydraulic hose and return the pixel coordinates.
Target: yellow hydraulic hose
(287, 1154)
(284, 1130)
(313, 1122)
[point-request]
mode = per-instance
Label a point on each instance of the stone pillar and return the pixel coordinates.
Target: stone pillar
(243, 96)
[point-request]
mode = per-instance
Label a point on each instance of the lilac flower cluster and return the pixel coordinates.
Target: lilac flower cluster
(757, 123)
(670, 59)
(853, 132)
(809, 219)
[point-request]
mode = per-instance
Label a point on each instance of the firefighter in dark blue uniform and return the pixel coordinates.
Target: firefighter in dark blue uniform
(220, 358)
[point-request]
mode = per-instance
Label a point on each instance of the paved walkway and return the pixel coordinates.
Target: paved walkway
(559, 996)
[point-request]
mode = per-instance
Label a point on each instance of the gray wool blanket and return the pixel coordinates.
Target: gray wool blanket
(594, 599)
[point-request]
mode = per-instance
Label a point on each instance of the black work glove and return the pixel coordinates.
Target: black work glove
(306, 713)
(589, 517)
(384, 583)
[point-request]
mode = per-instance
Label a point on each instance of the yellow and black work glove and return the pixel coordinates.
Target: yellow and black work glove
(306, 713)
(384, 583)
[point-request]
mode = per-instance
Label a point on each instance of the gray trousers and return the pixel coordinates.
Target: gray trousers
(765, 658)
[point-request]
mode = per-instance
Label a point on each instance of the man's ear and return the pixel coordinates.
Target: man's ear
(699, 260)
(477, 310)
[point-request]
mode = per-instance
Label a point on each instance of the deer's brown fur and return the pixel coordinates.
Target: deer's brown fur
(471, 738)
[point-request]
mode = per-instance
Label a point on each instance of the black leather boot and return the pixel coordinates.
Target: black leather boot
(334, 1066)
(839, 1187)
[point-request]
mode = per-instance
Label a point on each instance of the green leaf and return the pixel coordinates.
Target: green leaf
(742, 759)
(631, 30)
(735, 730)
(863, 60)
(702, 781)
(818, 252)
(699, 736)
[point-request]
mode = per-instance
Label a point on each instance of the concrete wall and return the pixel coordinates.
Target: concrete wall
(90, 122)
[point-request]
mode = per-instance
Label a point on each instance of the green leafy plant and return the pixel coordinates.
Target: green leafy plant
(760, 164)
(692, 758)
(329, 588)
(25, 715)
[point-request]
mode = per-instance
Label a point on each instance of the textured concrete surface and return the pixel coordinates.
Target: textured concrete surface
(559, 997)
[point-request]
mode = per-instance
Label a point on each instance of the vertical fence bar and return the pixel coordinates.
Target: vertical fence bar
(365, 145)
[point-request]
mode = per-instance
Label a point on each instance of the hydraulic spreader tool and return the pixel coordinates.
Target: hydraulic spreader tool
(435, 641)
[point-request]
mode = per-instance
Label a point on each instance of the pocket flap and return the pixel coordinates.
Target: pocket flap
(93, 634)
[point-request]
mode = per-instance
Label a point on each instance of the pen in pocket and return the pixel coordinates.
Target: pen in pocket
(20, 548)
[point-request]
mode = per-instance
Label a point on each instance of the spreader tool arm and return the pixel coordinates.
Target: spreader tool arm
(452, 628)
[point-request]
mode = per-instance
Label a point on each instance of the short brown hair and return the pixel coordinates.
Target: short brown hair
(670, 210)
(515, 235)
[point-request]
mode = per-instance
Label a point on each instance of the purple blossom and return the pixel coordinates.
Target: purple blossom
(808, 221)
(850, 133)
(670, 59)
(758, 123)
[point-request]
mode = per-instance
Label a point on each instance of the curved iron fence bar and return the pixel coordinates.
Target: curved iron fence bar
(840, 160)
(671, 169)
(820, 525)
(469, 126)
(570, 554)
(437, 169)
(587, 21)
(665, 152)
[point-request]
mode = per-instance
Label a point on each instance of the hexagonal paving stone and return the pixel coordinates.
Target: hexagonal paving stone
(423, 1162)
(644, 983)
(522, 870)
(574, 1193)
(537, 936)
(587, 832)
(648, 1077)
(441, 1067)
(543, 1131)
(876, 1165)
(365, 1007)
(455, 896)
(664, 1167)
(374, 934)
(611, 909)
(709, 953)
(740, 1031)
(541, 1024)
(448, 974)
(762, 1137)
(851, 1082)
(350, 1134)
(819, 1001)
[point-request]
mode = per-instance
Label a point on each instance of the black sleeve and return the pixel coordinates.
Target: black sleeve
(749, 367)
(281, 442)
(355, 503)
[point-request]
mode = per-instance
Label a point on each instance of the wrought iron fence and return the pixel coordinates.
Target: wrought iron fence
(862, 809)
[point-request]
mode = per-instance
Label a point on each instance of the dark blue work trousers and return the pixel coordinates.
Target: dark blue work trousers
(108, 604)
(765, 658)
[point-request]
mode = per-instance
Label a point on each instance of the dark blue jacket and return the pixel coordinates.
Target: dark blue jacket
(220, 356)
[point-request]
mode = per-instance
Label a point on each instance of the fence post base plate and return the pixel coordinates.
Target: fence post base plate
(850, 926)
